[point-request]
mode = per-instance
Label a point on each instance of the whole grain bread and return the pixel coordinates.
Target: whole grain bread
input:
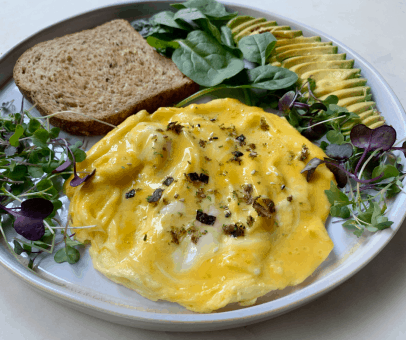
(108, 72)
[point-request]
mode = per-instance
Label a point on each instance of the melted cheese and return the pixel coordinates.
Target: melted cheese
(202, 267)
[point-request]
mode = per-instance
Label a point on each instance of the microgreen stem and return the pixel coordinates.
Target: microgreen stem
(400, 141)
(360, 221)
(358, 180)
(37, 193)
(49, 227)
(386, 187)
(78, 113)
(10, 194)
(82, 227)
(362, 170)
(324, 121)
(197, 95)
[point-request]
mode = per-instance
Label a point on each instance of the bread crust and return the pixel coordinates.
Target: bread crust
(57, 75)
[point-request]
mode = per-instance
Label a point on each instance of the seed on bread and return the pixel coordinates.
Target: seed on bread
(108, 73)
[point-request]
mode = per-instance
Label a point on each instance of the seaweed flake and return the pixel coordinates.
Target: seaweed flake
(175, 127)
(202, 143)
(234, 230)
(263, 124)
(262, 211)
(193, 176)
(156, 196)
(131, 193)
(168, 181)
(205, 218)
(204, 178)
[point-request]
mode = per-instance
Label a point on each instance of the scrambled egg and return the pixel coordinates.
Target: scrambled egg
(204, 205)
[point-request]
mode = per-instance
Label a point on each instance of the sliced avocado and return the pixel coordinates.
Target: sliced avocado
(286, 34)
(330, 85)
(281, 28)
(317, 65)
(333, 74)
(348, 126)
(285, 48)
(291, 62)
(298, 40)
(370, 118)
(304, 51)
(252, 28)
(353, 100)
(377, 124)
(244, 25)
(347, 93)
(269, 29)
(361, 107)
(368, 113)
(234, 22)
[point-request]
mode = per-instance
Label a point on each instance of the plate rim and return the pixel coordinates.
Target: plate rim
(245, 315)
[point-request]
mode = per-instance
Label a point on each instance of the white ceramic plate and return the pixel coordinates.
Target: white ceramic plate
(81, 287)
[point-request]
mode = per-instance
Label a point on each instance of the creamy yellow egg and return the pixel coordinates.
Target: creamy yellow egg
(206, 211)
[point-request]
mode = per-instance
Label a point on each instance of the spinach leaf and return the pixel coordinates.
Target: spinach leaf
(163, 46)
(270, 77)
(204, 60)
(211, 8)
(228, 41)
(166, 18)
(227, 37)
(194, 15)
(258, 47)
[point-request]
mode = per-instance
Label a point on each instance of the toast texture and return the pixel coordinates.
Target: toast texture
(108, 72)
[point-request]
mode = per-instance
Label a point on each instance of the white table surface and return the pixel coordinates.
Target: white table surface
(370, 305)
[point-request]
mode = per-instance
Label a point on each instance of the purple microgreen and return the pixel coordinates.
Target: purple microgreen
(78, 180)
(36, 208)
(63, 167)
(311, 167)
(29, 221)
(339, 152)
(339, 174)
(305, 107)
(312, 131)
(382, 137)
(285, 102)
(30, 228)
(402, 148)
(365, 138)
(354, 177)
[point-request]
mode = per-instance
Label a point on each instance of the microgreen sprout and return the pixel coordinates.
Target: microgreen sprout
(34, 162)
(362, 211)
(29, 222)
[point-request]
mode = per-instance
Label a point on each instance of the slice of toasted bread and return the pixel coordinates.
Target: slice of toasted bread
(108, 72)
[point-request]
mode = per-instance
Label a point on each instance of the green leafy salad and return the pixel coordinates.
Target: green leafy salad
(35, 161)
